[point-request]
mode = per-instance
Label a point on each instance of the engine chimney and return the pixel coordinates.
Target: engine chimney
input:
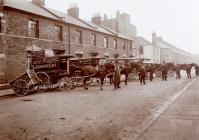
(39, 2)
(73, 11)
(97, 19)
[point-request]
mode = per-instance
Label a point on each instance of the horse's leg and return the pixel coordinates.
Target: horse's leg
(111, 79)
(85, 85)
(102, 83)
(126, 78)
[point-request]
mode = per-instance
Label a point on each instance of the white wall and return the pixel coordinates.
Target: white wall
(149, 52)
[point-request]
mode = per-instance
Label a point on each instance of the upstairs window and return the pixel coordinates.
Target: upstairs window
(93, 42)
(58, 33)
(115, 44)
(105, 42)
(33, 28)
(123, 45)
(78, 37)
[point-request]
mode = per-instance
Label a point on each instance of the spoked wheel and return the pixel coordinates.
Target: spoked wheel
(132, 76)
(20, 87)
(75, 81)
(95, 82)
(45, 81)
(88, 82)
(65, 83)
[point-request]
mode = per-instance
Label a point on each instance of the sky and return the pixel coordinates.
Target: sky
(176, 21)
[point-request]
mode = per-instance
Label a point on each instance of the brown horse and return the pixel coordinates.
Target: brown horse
(88, 72)
(187, 68)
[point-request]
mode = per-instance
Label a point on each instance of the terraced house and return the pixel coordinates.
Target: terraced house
(29, 25)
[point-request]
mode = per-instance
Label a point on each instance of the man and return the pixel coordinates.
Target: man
(177, 69)
(197, 70)
(164, 72)
(126, 69)
(142, 75)
(151, 71)
(116, 76)
(188, 71)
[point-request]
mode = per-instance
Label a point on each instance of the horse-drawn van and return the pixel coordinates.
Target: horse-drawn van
(43, 73)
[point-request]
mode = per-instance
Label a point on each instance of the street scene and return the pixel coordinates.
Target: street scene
(99, 70)
(132, 112)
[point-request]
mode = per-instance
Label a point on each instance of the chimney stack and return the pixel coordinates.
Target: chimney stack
(39, 2)
(96, 19)
(73, 11)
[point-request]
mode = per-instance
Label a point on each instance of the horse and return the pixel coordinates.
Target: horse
(88, 72)
(187, 68)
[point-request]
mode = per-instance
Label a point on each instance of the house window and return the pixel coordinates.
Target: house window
(123, 45)
(78, 37)
(106, 42)
(115, 44)
(58, 33)
(141, 50)
(93, 42)
(33, 28)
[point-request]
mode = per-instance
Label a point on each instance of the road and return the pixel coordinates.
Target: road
(110, 114)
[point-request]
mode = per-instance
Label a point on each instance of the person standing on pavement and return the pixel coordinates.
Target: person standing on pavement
(164, 72)
(116, 78)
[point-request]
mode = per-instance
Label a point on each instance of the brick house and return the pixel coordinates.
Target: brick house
(28, 25)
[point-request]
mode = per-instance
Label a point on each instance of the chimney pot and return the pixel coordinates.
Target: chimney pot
(97, 19)
(39, 2)
(73, 11)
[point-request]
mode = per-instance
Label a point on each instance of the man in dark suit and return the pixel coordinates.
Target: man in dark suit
(164, 72)
(116, 78)
(142, 75)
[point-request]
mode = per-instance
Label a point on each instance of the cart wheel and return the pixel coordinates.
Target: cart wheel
(20, 87)
(65, 83)
(75, 81)
(130, 76)
(45, 81)
(88, 82)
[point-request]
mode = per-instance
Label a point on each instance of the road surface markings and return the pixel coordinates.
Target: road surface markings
(152, 118)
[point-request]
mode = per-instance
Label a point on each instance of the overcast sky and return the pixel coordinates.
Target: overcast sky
(177, 21)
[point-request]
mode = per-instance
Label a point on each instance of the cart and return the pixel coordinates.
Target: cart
(44, 73)
(77, 64)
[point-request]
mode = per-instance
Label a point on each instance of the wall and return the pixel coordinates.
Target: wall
(16, 41)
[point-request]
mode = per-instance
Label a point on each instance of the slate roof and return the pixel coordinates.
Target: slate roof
(30, 7)
(140, 41)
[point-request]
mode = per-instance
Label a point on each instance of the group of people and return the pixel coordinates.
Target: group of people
(142, 72)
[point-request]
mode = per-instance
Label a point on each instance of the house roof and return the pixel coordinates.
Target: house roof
(30, 7)
(140, 41)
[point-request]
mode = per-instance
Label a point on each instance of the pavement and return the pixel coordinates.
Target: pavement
(180, 121)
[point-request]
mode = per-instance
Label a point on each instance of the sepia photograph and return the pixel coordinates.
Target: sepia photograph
(99, 70)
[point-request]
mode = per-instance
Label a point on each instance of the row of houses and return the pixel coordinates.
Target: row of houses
(30, 25)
